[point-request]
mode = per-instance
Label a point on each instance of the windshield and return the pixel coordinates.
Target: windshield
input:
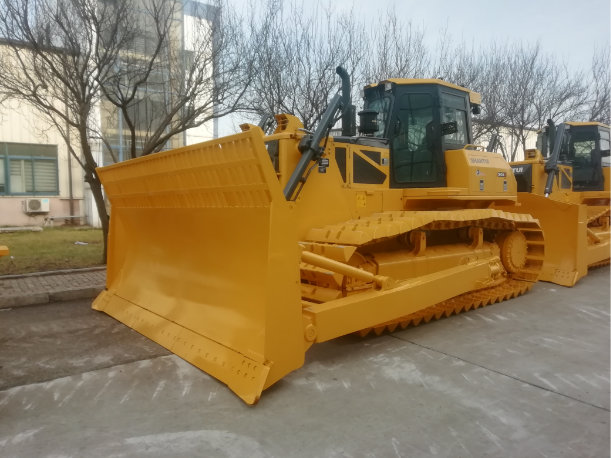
(575, 146)
(579, 147)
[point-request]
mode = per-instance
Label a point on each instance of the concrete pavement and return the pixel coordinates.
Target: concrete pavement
(527, 377)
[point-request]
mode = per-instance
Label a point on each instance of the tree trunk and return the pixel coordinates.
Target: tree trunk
(98, 195)
(92, 178)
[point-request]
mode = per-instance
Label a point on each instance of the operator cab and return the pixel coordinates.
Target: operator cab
(421, 120)
(585, 148)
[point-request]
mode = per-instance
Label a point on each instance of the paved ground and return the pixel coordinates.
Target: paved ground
(528, 377)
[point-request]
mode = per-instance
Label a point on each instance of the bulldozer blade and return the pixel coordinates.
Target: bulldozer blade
(568, 251)
(203, 259)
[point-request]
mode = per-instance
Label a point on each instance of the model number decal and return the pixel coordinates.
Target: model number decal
(501, 174)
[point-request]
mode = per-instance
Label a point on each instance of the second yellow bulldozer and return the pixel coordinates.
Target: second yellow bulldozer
(239, 253)
(565, 184)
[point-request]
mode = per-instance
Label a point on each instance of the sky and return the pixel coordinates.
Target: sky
(569, 30)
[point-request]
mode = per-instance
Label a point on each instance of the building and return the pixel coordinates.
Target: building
(508, 143)
(40, 183)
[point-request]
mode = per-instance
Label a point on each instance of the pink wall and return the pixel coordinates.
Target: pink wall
(12, 214)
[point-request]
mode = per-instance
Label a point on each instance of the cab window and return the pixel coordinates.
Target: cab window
(382, 106)
(604, 140)
(581, 148)
(454, 110)
(450, 114)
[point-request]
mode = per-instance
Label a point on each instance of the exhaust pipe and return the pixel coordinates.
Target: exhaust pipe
(349, 110)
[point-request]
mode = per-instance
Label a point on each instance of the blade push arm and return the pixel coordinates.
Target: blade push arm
(551, 166)
(310, 145)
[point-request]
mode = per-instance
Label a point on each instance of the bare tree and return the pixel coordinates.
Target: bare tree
(296, 61)
(458, 63)
(68, 58)
(77, 61)
(396, 50)
(490, 83)
(479, 70)
(536, 88)
(599, 102)
(520, 86)
(49, 65)
(161, 86)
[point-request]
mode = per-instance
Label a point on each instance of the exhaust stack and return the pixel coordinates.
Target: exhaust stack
(349, 110)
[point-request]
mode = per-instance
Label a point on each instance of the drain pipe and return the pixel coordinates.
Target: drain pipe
(68, 150)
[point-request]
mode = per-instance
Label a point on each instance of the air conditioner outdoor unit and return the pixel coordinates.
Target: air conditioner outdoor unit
(36, 205)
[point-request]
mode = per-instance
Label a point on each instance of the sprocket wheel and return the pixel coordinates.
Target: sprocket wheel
(514, 249)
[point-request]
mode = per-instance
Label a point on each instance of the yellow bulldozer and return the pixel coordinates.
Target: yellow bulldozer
(239, 253)
(564, 183)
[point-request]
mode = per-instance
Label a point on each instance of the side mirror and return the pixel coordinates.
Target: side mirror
(449, 128)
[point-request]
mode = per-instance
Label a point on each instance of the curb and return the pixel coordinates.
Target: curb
(52, 272)
(47, 298)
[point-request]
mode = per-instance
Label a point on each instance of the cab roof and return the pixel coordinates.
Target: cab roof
(474, 97)
(588, 123)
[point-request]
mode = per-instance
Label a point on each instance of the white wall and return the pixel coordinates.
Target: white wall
(509, 143)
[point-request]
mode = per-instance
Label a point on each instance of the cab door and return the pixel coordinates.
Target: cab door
(415, 146)
(585, 155)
